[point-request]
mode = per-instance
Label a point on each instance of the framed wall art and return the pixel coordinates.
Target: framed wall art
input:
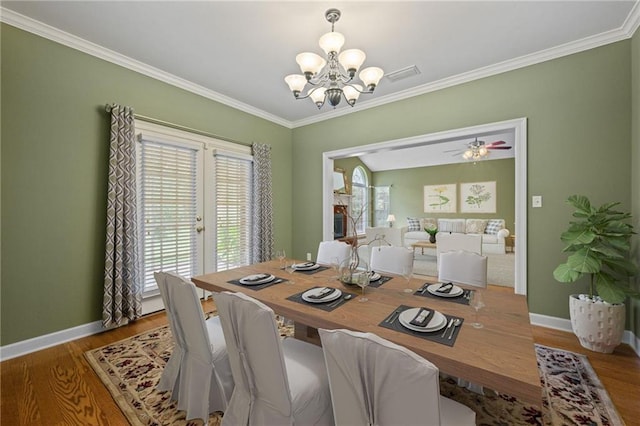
(440, 198)
(478, 197)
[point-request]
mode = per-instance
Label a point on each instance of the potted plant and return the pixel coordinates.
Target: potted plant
(432, 230)
(599, 243)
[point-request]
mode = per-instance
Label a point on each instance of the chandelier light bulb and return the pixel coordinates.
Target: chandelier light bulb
(371, 77)
(296, 83)
(310, 63)
(317, 96)
(331, 42)
(351, 60)
(352, 93)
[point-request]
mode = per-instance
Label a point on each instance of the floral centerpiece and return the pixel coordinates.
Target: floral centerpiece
(432, 230)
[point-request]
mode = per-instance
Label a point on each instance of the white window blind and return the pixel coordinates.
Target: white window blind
(168, 202)
(234, 201)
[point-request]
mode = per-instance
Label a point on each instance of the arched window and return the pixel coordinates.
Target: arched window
(360, 199)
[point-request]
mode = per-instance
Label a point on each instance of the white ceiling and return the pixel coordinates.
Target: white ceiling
(238, 52)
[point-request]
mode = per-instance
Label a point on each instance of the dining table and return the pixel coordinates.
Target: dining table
(499, 356)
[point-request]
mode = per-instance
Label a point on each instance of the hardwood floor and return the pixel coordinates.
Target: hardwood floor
(56, 386)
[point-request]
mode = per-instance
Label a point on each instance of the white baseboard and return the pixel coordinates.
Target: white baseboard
(565, 325)
(42, 342)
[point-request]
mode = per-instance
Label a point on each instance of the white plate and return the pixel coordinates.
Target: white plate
(328, 298)
(455, 291)
(438, 321)
(251, 279)
(305, 266)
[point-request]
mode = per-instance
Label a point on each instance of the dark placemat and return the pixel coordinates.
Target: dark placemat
(313, 271)
(392, 322)
(463, 299)
(377, 283)
(277, 280)
(328, 306)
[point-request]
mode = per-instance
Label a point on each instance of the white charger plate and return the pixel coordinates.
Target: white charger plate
(251, 279)
(455, 291)
(305, 267)
(328, 298)
(438, 321)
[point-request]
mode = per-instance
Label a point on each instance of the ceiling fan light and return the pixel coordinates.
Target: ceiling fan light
(371, 77)
(296, 83)
(351, 60)
(467, 154)
(317, 95)
(310, 63)
(352, 93)
(331, 42)
(483, 151)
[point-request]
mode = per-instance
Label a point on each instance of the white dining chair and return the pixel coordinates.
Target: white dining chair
(205, 382)
(463, 267)
(376, 382)
(329, 250)
(446, 241)
(391, 259)
(278, 381)
(171, 372)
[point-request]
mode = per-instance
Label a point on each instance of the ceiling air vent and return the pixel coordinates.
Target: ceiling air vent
(403, 73)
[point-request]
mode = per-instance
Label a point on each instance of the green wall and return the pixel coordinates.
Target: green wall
(55, 149)
(407, 190)
(579, 133)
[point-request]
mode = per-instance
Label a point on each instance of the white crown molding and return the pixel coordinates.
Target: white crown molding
(54, 34)
(626, 31)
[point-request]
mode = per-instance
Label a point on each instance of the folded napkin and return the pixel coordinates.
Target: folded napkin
(322, 293)
(445, 288)
(422, 318)
(253, 278)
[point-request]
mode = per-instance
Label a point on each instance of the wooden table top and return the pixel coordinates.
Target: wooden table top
(425, 243)
(500, 355)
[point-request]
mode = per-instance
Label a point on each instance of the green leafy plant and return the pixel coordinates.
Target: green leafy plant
(431, 230)
(599, 241)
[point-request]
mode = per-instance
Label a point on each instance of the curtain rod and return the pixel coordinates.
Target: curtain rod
(180, 127)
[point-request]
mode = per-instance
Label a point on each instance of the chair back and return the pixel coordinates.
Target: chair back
(169, 378)
(446, 241)
(201, 388)
(261, 394)
(463, 267)
(376, 382)
(328, 250)
(391, 259)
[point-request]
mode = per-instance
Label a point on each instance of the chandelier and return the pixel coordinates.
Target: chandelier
(476, 151)
(333, 78)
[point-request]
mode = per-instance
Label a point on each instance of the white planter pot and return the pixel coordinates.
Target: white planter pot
(598, 326)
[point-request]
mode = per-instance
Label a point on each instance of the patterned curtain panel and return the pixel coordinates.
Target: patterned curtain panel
(122, 294)
(263, 204)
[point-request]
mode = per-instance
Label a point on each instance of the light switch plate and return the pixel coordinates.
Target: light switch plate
(536, 201)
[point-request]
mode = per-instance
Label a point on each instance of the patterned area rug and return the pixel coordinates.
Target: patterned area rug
(572, 393)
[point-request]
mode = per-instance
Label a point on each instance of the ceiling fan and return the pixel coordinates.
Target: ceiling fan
(477, 149)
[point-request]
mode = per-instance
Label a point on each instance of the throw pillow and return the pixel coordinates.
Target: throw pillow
(414, 224)
(476, 226)
(451, 225)
(493, 226)
(428, 222)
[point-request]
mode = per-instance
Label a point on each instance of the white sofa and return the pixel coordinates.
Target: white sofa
(493, 231)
